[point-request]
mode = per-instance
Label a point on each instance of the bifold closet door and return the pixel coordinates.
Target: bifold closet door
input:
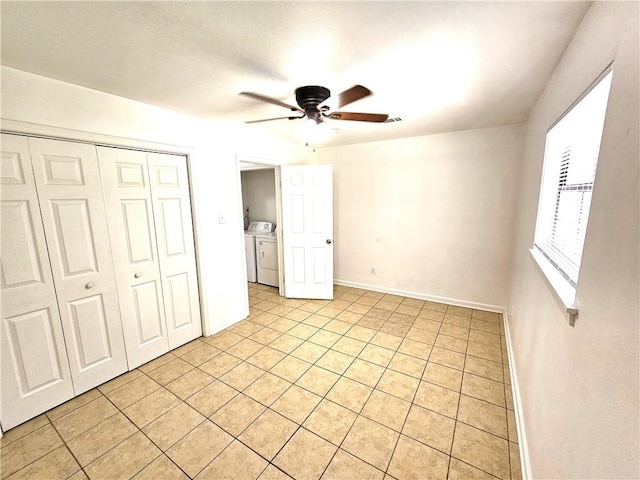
(176, 251)
(70, 196)
(125, 180)
(35, 371)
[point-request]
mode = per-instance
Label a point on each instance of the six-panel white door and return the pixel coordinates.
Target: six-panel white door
(176, 250)
(307, 230)
(70, 196)
(35, 371)
(125, 179)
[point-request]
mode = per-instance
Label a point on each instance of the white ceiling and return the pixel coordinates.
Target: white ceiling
(440, 66)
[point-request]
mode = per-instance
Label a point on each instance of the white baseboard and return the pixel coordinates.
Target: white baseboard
(525, 463)
(421, 296)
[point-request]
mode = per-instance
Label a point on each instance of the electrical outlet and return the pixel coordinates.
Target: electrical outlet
(373, 271)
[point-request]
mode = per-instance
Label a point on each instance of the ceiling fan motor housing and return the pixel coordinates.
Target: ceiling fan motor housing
(311, 96)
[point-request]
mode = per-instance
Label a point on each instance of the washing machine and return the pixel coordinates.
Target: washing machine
(250, 247)
(267, 258)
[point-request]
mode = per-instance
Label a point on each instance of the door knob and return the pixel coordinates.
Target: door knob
(89, 285)
(328, 241)
(137, 275)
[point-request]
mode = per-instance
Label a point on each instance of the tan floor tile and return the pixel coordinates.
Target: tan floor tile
(371, 442)
(368, 301)
(370, 322)
(349, 346)
(485, 338)
(157, 362)
(296, 404)
(212, 397)
(281, 310)
(337, 326)
(286, 343)
(364, 372)
(395, 328)
(456, 331)
(443, 376)
(266, 335)
(224, 340)
(464, 311)
(161, 468)
(508, 395)
(487, 352)
(489, 316)
(378, 355)
(267, 389)
(430, 428)
(484, 368)
(100, 439)
(448, 358)
(329, 311)
(220, 364)
(263, 318)
(485, 325)
(151, 407)
(199, 447)
(415, 349)
(59, 463)
(413, 460)
(346, 466)
(438, 307)
(297, 315)
(408, 309)
(265, 305)
(200, 354)
(26, 428)
(316, 320)
(188, 384)
(245, 348)
(483, 389)
(421, 335)
(318, 380)
(426, 324)
(460, 320)
(310, 307)
(437, 398)
(266, 358)
(27, 449)
(414, 302)
(431, 314)
(133, 391)
(309, 352)
(170, 371)
(451, 343)
(242, 375)
(236, 462)
(340, 303)
(398, 384)
(408, 365)
(187, 347)
(83, 418)
(349, 394)
(511, 423)
(483, 415)
(514, 459)
(173, 425)
(386, 409)
(358, 308)
(381, 339)
(335, 361)
(462, 471)
(360, 333)
(290, 368)
(236, 415)
(268, 433)
(273, 473)
(125, 460)
(302, 331)
(385, 305)
(482, 450)
(349, 316)
(330, 421)
(306, 455)
(74, 403)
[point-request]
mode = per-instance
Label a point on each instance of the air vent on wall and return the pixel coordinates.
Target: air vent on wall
(393, 120)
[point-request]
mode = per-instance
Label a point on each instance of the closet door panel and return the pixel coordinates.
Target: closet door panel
(125, 179)
(70, 196)
(35, 373)
(176, 251)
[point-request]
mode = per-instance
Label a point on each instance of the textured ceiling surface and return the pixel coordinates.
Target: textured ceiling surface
(440, 66)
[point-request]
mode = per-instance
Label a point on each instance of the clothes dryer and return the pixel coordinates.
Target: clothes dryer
(250, 246)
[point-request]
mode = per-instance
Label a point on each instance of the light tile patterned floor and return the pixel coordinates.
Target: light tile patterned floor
(353, 388)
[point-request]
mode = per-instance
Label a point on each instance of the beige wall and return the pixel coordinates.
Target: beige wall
(579, 386)
(259, 194)
(213, 149)
(433, 215)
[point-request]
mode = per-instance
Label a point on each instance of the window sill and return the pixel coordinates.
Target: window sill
(562, 290)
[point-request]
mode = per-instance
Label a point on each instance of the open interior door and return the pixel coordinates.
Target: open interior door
(307, 230)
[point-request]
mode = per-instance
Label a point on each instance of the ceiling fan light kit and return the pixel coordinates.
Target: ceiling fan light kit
(311, 99)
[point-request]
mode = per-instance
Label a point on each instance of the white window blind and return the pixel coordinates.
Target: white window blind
(570, 161)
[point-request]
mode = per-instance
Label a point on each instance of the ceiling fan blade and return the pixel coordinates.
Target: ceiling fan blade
(277, 118)
(359, 117)
(352, 94)
(274, 101)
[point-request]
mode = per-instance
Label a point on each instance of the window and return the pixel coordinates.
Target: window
(570, 160)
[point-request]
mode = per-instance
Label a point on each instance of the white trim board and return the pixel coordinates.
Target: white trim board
(422, 296)
(525, 463)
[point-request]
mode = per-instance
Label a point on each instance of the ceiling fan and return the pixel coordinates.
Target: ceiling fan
(310, 100)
